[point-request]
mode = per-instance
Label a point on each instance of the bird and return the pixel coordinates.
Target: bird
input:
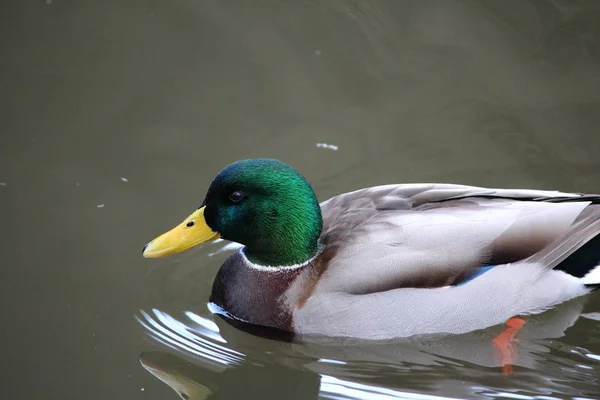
(390, 261)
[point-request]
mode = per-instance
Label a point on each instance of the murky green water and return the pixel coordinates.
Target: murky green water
(115, 116)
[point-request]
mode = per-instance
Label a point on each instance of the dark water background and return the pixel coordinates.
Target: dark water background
(116, 115)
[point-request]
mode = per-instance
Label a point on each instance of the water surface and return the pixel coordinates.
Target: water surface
(115, 116)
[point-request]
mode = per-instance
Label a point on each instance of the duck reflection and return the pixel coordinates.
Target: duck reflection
(246, 380)
(193, 382)
(210, 368)
(183, 377)
(219, 361)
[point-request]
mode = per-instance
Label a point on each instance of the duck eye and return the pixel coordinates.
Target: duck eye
(190, 224)
(236, 196)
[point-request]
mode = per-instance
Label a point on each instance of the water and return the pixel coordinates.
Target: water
(115, 116)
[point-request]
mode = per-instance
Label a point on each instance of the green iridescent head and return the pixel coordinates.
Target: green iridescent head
(263, 204)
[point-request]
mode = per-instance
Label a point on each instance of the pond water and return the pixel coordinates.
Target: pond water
(115, 116)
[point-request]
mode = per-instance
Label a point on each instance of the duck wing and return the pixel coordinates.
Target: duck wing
(436, 235)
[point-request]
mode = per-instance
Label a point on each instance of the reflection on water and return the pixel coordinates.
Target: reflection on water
(334, 388)
(198, 339)
(203, 363)
(178, 374)
(192, 382)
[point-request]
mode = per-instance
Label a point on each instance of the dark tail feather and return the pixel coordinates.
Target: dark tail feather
(577, 253)
(583, 260)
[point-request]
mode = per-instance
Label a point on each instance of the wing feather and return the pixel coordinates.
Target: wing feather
(432, 235)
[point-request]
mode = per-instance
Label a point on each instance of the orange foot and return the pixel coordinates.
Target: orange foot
(504, 344)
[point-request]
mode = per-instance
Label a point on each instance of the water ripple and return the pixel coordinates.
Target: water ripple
(189, 338)
(462, 365)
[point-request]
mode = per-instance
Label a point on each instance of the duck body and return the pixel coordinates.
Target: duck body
(414, 259)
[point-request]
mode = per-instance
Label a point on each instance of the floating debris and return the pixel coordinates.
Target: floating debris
(124, 179)
(328, 146)
(142, 389)
(77, 184)
(100, 206)
(2, 183)
(318, 53)
(48, 1)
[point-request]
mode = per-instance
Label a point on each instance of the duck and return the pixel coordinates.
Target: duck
(390, 261)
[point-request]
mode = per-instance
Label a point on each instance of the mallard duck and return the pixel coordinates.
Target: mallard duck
(389, 261)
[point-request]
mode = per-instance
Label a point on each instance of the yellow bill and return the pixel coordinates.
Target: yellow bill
(191, 232)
